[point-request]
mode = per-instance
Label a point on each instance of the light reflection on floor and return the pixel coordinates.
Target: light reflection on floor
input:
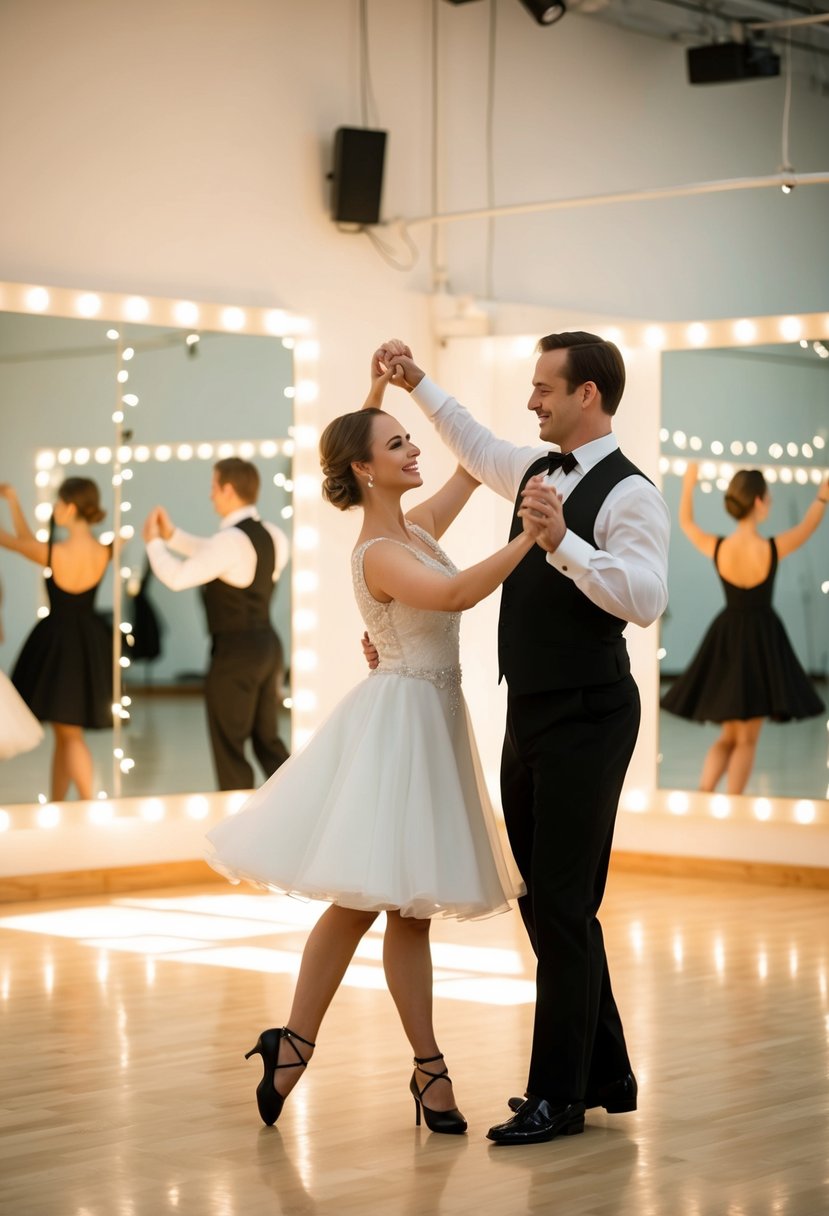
(215, 931)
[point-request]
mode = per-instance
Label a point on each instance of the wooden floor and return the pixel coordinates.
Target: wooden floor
(124, 1091)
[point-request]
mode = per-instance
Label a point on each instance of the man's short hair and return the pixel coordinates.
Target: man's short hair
(241, 474)
(590, 357)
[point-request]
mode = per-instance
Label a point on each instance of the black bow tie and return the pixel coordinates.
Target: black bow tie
(562, 460)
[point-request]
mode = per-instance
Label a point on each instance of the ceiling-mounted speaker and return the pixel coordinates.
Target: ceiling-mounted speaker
(357, 177)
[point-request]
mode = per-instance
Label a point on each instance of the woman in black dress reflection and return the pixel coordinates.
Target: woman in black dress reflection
(745, 669)
(64, 671)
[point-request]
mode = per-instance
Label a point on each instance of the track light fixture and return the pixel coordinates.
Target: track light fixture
(545, 13)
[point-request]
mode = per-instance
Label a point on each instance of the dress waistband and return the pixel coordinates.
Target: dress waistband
(444, 678)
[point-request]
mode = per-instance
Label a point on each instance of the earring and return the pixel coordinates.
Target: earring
(370, 482)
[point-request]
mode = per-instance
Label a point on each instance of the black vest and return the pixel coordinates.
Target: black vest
(238, 609)
(550, 635)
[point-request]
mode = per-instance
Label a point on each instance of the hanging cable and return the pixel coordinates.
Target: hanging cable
(368, 104)
(386, 252)
(489, 253)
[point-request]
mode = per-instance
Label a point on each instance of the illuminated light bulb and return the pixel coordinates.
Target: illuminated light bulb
(300, 736)
(184, 451)
(163, 452)
(192, 340)
(804, 811)
(275, 322)
(186, 312)
(770, 475)
(88, 305)
(717, 448)
(654, 337)
(819, 442)
(289, 391)
(123, 376)
(65, 456)
(136, 308)
(141, 453)
(43, 511)
(235, 802)
(127, 765)
(816, 476)
(42, 612)
(197, 807)
(5, 821)
(824, 586)
(695, 443)
(45, 459)
(118, 416)
(288, 343)
(42, 479)
(305, 660)
(708, 469)
(792, 449)
(127, 532)
(680, 439)
(720, 806)
(679, 466)
(101, 814)
(233, 318)
(697, 334)
(775, 450)
(306, 580)
(790, 328)
(786, 476)
(124, 661)
(745, 331)
(268, 448)
(664, 434)
(125, 627)
(806, 450)
(37, 299)
(288, 446)
(304, 620)
(288, 702)
(801, 476)
(308, 349)
(304, 437)
(204, 451)
(305, 699)
(706, 487)
(81, 455)
(736, 448)
(635, 800)
(307, 486)
(751, 448)
(246, 450)
(678, 802)
(127, 474)
(128, 353)
(152, 810)
(306, 539)
(42, 799)
(287, 512)
(664, 464)
(307, 390)
(48, 816)
(762, 809)
(130, 399)
(225, 449)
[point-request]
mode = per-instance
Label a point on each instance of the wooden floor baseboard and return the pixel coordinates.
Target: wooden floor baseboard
(23, 888)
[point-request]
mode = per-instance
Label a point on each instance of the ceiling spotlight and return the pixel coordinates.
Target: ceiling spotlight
(544, 13)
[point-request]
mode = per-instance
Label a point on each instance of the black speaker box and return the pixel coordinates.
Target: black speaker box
(357, 178)
(726, 61)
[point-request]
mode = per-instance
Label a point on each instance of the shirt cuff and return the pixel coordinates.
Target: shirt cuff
(429, 396)
(572, 557)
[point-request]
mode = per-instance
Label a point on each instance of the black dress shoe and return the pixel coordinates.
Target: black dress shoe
(536, 1121)
(617, 1097)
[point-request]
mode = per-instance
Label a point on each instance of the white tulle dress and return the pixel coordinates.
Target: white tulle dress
(20, 730)
(385, 806)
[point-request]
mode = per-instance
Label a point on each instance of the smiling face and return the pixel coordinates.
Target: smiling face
(560, 413)
(393, 462)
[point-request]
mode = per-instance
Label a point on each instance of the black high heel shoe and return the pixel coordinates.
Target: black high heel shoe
(450, 1122)
(269, 1101)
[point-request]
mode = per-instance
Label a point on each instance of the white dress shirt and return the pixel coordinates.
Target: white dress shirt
(627, 575)
(228, 555)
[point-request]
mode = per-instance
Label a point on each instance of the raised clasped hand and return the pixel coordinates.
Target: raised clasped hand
(542, 513)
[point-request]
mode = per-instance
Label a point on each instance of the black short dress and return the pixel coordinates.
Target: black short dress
(745, 666)
(64, 671)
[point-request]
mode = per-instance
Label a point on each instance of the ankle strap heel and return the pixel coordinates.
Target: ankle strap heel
(449, 1122)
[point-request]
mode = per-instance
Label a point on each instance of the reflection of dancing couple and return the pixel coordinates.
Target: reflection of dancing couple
(386, 809)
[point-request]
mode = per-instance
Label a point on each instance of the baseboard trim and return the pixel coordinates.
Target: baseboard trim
(763, 873)
(65, 884)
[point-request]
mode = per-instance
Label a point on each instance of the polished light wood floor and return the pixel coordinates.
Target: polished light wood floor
(124, 1091)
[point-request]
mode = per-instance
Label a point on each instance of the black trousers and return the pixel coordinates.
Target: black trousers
(241, 700)
(564, 761)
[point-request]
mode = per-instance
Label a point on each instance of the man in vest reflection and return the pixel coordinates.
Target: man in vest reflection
(600, 562)
(237, 569)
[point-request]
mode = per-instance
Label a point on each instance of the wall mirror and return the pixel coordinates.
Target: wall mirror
(763, 407)
(190, 396)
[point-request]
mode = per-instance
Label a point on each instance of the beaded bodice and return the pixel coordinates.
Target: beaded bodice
(415, 642)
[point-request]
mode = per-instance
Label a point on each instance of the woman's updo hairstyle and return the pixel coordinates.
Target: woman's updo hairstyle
(84, 496)
(345, 441)
(743, 491)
